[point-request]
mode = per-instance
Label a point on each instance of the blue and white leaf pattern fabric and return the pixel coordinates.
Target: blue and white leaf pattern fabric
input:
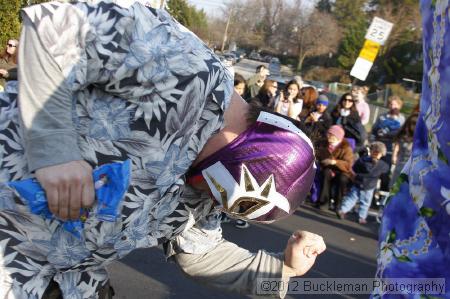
(145, 89)
(415, 231)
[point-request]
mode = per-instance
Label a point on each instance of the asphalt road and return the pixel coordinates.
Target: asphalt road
(351, 252)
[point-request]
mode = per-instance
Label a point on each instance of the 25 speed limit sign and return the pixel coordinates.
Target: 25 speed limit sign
(379, 30)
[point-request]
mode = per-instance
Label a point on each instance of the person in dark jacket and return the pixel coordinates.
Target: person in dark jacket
(368, 170)
(319, 120)
(266, 95)
(346, 115)
(335, 158)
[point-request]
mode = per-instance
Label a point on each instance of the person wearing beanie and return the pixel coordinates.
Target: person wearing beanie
(335, 159)
(336, 131)
(319, 120)
(322, 99)
(367, 170)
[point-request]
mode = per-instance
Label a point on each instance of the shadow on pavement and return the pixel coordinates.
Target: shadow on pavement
(146, 274)
(370, 230)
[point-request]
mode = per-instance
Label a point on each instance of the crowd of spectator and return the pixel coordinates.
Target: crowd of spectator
(353, 163)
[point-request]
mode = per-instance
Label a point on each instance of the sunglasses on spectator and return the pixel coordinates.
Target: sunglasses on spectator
(347, 100)
(11, 45)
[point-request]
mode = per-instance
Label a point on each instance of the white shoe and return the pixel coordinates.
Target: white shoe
(242, 224)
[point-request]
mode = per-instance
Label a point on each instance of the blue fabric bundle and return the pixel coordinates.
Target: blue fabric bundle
(111, 183)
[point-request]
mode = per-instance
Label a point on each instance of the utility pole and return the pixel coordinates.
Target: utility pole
(226, 31)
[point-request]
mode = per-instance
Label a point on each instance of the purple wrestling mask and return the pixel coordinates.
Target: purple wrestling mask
(264, 174)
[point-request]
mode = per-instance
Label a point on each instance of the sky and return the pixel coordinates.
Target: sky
(214, 7)
(211, 7)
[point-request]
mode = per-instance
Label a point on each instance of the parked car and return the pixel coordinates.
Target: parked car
(225, 60)
(240, 54)
(274, 60)
(275, 66)
(231, 56)
(255, 56)
(266, 58)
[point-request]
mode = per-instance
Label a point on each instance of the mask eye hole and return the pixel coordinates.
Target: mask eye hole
(246, 205)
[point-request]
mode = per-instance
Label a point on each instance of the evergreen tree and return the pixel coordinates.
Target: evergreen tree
(350, 46)
(398, 4)
(352, 18)
(349, 12)
(180, 10)
(9, 20)
(199, 22)
(188, 15)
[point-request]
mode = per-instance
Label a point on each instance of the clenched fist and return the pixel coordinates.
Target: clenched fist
(301, 251)
(68, 187)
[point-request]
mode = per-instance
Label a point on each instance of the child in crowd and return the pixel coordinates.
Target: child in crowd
(240, 86)
(367, 170)
(319, 120)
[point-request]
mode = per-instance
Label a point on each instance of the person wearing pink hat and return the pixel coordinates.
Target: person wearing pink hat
(335, 157)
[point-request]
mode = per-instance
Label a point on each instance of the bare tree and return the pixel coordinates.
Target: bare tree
(309, 32)
(319, 35)
(216, 32)
(273, 13)
(254, 22)
(281, 26)
(245, 27)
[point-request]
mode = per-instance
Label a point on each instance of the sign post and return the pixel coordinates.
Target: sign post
(376, 36)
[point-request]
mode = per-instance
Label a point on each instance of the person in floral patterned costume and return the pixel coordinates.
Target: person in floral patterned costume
(100, 83)
(415, 230)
